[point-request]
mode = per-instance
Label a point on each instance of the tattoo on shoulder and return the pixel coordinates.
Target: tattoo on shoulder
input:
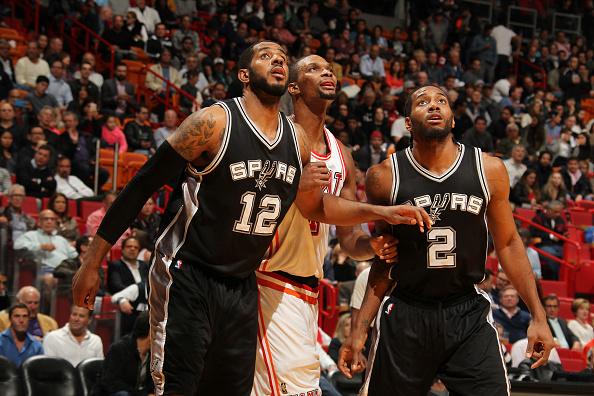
(193, 134)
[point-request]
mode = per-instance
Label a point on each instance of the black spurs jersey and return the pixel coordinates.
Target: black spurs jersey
(448, 259)
(227, 213)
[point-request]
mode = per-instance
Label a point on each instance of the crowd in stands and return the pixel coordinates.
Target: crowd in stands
(526, 99)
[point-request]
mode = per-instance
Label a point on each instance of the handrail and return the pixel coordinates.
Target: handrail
(28, 12)
(168, 85)
(554, 258)
(533, 66)
(543, 228)
(91, 33)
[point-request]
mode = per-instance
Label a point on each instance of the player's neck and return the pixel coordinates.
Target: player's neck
(262, 110)
(311, 117)
(434, 155)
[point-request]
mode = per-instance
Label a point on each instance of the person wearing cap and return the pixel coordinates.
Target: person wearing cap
(39, 97)
(372, 153)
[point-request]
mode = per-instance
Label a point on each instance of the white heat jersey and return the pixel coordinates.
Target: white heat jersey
(299, 246)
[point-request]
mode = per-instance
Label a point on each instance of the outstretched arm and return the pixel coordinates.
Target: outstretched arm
(196, 140)
(513, 259)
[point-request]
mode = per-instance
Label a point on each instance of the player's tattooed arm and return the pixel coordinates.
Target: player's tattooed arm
(199, 136)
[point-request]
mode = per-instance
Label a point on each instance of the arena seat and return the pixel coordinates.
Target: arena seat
(580, 217)
(526, 213)
(9, 378)
(49, 376)
(571, 360)
(565, 308)
(31, 205)
(88, 207)
(89, 372)
(554, 287)
(584, 279)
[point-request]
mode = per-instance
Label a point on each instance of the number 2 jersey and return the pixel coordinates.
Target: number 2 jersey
(447, 260)
(230, 210)
(300, 245)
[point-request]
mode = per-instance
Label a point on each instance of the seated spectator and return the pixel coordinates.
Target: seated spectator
(118, 94)
(126, 272)
(169, 126)
(95, 218)
(158, 42)
(31, 66)
(84, 81)
(5, 181)
(69, 186)
(371, 154)
(58, 87)
(146, 15)
(6, 60)
(501, 282)
(12, 216)
(4, 297)
(552, 218)
(74, 342)
(543, 167)
(193, 64)
(581, 326)
(17, 133)
(478, 136)
(55, 50)
(67, 226)
(554, 189)
(126, 369)
(148, 220)
(379, 123)
(47, 120)
(577, 184)
(95, 77)
(38, 98)
(515, 164)
(532, 254)
(526, 192)
(512, 138)
(563, 336)
(510, 316)
(563, 148)
(138, 129)
(194, 102)
(118, 36)
(462, 121)
(67, 268)
(16, 344)
(474, 73)
(39, 324)
(518, 353)
(36, 176)
(163, 68)
(217, 93)
(372, 65)
(342, 332)
(111, 134)
(136, 30)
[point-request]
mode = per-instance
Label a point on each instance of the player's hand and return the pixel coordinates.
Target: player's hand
(384, 246)
(85, 285)
(350, 357)
(314, 175)
(540, 342)
(407, 214)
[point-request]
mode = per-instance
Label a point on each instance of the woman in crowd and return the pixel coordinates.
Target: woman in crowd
(526, 191)
(555, 189)
(111, 134)
(395, 77)
(7, 152)
(67, 226)
(581, 326)
(342, 332)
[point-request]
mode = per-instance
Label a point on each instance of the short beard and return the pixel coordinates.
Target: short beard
(259, 83)
(432, 133)
(328, 96)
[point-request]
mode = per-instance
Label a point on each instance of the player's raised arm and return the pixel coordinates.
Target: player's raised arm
(330, 209)
(196, 140)
(513, 259)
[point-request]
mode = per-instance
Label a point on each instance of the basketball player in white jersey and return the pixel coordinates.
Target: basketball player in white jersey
(287, 362)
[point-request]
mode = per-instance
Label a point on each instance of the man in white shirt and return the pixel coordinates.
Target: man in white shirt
(69, 185)
(74, 342)
(514, 165)
(94, 77)
(564, 337)
(57, 86)
(502, 87)
(30, 66)
(169, 126)
(372, 66)
(146, 15)
(503, 37)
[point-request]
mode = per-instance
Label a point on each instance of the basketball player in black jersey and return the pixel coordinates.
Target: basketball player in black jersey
(242, 161)
(435, 322)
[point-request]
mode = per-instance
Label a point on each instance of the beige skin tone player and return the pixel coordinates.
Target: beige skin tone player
(437, 155)
(198, 140)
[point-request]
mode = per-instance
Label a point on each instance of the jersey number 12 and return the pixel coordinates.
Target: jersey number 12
(440, 251)
(266, 218)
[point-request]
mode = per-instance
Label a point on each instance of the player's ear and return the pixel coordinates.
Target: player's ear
(243, 75)
(453, 123)
(293, 89)
(408, 124)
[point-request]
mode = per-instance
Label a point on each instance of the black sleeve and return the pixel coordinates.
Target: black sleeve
(153, 175)
(115, 283)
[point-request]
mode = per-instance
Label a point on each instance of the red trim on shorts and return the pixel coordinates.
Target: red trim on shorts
(286, 290)
(264, 343)
(283, 279)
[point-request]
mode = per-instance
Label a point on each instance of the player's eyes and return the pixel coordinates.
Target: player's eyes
(423, 102)
(265, 56)
(313, 68)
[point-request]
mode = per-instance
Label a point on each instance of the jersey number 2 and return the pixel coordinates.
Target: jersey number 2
(442, 242)
(265, 219)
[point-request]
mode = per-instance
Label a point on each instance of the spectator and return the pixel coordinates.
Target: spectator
(342, 332)
(66, 225)
(514, 165)
(84, 81)
(39, 98)
(118, 94)
(35, 139)
(474, 74)
(379, 123)
(111, 134)
(54, 51)
(499, 126)
(552, 218)
(169, 126)
(70, 186)
(146, 15)
(532, 254)
(478, 136)
(74, 342)
(484, 47)
(67, 268)
(501, 282)
(563, 336)
(58, 87)
(95, 77)
(95, 218)
(136, 30)
(126, 369)
(5, 181)
(577, 184)
(39, 324)
(31, 66)
(159, 42)
(554, 189)
(148, 220)
(139, 129)
(193, 64)
(581, 326)
(438, 29)
(184, 31)
(16, 344)
(37, 176)
(571, 81)
(126, 272)
(462, 121)
(371, 154)
(47, 119)
(218, 93)
(526, 192)
(13, 217)
(6, 60)
(511, 140)
(119, 37)
(372, 66)
(476, 106)
(543, 167)
(194, 101)
(8, 124)
(514, 321)
(165, 69)
(487, 284)
(503, 38)
(4, 297)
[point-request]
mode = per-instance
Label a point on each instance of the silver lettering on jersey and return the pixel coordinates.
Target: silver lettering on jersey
(454, 201)
(254, 169)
